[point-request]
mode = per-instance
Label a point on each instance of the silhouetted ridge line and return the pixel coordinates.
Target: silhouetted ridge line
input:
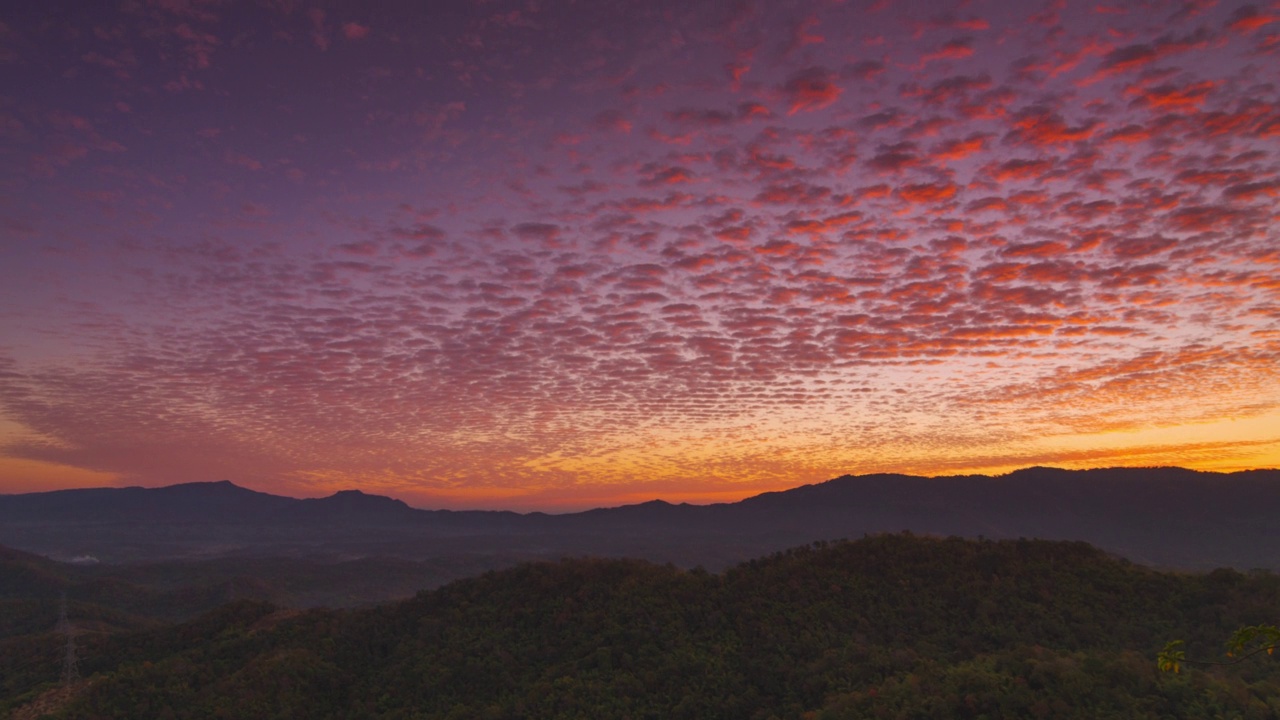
(1160, 516)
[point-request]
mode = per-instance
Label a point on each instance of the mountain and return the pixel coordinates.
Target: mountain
(887, 626)
(1159, 516)
(203, 502)
(350, 507)
(1167, 517)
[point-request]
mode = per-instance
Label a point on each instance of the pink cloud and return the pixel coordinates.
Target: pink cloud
(673, 175)
(244, 161)
(809, 90)
(1133, 57)
(1247, 19)
(612, 120)
(957, 49)
(1253, 190)
(558, 235)
(1130, 248)
(355, 31)
(545, 233)
(319, 29)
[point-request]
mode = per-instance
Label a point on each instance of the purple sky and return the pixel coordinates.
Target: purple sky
(562, 254)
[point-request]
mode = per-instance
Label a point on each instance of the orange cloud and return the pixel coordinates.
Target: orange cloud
(927, 192)
(1040, 127)
(960, 149)
(1172, 97)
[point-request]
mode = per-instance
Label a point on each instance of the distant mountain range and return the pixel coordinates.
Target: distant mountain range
(1164, 517)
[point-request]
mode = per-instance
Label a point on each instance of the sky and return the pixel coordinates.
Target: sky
(554, 255)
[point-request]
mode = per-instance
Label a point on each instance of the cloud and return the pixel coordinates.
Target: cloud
(1172, 97)
(863, 70)
(355, 31)
(1018, 169)
(793, 194)
(1247, 19)
(1043, 127)
(243, 161)
(960, 149)
(546, 233)
(672, 175)
(1133, 57)
(319, 28)
(612, 120)
(894, 158)
(1253, 190)
(559, 250)
(952, 88)
(1041, 248)
(707, 118)
(927, 192)
(809, 90)
(1204, 218)
(956, 49)
(1132, 248)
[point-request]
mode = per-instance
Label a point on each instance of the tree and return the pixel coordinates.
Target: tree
(1244, 643)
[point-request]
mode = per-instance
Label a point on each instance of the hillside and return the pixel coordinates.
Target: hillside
(889, 626)
(120, 597)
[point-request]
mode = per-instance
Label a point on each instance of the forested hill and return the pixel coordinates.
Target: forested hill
(890, 626)
(1166, 517)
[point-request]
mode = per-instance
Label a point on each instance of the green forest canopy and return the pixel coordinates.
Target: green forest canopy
(891, 626)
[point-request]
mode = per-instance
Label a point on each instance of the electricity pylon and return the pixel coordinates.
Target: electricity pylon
(70, 667)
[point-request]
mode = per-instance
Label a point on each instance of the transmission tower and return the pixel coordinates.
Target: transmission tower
(70, 668)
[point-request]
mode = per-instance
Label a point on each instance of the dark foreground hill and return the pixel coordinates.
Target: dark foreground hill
(885, 627)
(1164, 517)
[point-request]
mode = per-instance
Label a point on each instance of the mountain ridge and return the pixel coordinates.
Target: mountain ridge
(1161, 516)
(202, 487)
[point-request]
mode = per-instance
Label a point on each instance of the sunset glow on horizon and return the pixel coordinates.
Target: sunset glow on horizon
(558, 255)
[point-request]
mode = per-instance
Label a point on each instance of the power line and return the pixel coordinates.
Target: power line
(70, 667)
